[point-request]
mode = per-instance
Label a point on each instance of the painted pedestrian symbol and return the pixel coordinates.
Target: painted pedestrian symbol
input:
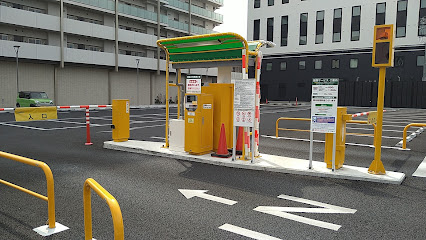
(30, 117)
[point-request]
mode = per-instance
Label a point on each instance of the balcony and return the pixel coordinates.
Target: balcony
(178, 25)
(199, 30)
(179, 5)
(104, 4)
(137, 12)
(205, 13)
(218, 3)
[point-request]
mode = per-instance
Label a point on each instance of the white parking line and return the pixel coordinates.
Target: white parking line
(21, 126)
(152, 126)
(246, 232)
(421, 170)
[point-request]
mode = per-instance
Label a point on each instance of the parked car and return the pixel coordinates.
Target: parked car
(33, 99)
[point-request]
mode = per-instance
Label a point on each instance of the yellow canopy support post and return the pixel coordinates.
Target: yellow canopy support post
(167, 102)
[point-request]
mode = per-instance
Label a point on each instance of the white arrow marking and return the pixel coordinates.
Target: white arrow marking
(246, 232)
(202, 194)
(324, 208)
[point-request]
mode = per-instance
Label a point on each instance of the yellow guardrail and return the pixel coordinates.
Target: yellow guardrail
(404, 134)
(117, 218)
(49, 179)
(287, 129)
(308, 119)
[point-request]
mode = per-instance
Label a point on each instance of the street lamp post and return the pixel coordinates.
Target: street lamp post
(17, 72)
(422, 34)
(137, 78)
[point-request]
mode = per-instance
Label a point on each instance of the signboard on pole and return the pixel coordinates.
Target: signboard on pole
(193, 84)
(244, 102)
(324, 105)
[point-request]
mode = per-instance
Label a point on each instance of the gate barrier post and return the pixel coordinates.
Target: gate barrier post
(120, 120)
(342, 118)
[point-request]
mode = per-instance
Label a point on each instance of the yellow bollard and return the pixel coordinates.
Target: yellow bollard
(342, 117)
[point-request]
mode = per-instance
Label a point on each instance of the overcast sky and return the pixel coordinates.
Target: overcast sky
(234, 17)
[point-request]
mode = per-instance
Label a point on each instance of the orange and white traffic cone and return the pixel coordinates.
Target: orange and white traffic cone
(222, 150)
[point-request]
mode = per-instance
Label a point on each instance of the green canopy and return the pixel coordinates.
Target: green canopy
(204, 48)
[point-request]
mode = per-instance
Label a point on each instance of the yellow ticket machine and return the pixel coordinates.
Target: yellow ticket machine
(198, 123)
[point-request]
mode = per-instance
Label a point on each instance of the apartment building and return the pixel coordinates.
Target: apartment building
(89, 54)
(334, 39)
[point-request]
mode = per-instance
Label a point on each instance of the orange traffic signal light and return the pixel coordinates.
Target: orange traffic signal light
(383, 33)
(383, 46)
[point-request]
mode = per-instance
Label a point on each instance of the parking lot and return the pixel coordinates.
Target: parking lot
(147, 187)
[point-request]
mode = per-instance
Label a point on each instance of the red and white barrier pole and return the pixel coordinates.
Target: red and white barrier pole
(362, 114)
(88, 142)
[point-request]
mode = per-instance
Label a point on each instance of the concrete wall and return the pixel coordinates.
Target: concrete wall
(32, 77)
(80, 86)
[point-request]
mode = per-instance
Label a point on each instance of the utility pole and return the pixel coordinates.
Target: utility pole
(17, 67)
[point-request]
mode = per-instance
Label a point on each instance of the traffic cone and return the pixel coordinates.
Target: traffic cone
(222, 150)
(239, 147)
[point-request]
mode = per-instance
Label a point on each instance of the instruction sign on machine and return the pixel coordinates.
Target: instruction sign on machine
(193, 84)
(324, 105)
(244, 102)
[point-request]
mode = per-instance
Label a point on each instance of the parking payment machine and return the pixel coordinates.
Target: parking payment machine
(198, 123)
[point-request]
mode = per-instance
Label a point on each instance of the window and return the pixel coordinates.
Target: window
(353, 63)
(284, 30)
(318, 64)
(270, 29)
(256, 30)
(269, 66)
(335, 64)
(356, 22)
(285, 1)
(270, 2)
(319, 37)
(401, 19)
(283, 66)
(380, 13)
(256, 3)
(303, 29)
(422, 18)
(420, 61)
(337, 25)
(4, 37)
(302, 65)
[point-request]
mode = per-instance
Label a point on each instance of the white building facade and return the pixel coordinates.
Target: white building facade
(83, 57)
(334, 38)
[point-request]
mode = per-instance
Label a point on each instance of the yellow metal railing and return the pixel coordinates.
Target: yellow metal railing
(287, 129)
(49, 179)
(404, 134)
(308, 119)
(117, 218)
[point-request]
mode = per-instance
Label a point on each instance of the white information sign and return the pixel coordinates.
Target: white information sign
(324, 105)
(244, 102)
(193, 84)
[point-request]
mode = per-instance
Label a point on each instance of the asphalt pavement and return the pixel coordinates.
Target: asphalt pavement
(147, 188)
